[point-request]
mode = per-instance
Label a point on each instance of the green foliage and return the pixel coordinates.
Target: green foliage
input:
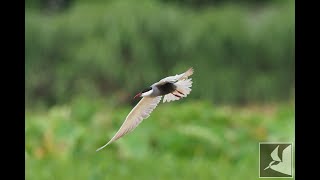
(191, 140)
(54, 5)
(114, 49)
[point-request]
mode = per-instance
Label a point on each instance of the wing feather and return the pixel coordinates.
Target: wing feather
(141, 111)
(173, 79)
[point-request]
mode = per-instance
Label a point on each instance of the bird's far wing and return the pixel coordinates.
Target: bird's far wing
(173, 79)
(286, 155)
(274, 155)
(141, 111)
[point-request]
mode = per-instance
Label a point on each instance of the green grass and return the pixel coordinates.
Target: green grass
(180, 140)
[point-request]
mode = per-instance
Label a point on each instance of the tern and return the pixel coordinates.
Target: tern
(172, 88)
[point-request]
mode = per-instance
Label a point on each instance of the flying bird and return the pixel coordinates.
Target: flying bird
(172, 88)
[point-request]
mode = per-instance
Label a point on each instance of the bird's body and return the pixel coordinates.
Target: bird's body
(164, 88)
(172, 88)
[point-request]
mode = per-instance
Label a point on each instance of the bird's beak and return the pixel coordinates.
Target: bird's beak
(138, 95)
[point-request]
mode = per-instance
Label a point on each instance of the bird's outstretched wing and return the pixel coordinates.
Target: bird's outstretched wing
(274, 155)
(173, 79)
(141, 111)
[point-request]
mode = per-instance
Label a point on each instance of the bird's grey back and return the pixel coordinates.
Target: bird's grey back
(163, 89)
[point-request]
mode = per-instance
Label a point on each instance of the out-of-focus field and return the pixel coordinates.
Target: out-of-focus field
(180, 140)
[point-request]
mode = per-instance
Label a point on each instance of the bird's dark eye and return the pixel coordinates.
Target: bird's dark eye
(147, 89)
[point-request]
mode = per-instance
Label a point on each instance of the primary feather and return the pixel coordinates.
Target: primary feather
(173, 79)
(141, 111)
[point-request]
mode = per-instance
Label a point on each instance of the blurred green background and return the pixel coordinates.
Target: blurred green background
(85, 60)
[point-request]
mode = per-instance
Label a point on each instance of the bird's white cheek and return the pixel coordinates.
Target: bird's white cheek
(148, 93)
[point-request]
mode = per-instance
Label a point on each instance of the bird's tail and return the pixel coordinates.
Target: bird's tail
(182, 90)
